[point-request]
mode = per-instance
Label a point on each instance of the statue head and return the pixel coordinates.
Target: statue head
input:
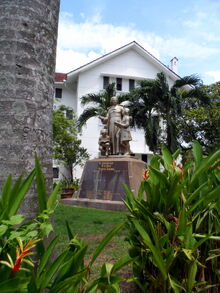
(114, 100)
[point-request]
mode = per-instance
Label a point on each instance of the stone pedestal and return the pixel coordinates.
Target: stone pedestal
(102, 178)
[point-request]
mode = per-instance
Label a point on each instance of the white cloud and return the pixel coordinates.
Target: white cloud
(79, 43)
(214, 74)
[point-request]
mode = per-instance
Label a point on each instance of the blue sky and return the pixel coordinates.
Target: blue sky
(187, 29)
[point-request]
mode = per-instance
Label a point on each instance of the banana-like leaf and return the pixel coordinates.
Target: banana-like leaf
(6, 190)
(205, 165)
(19, 196)
(53, 198)
(167, 157)
(14, 285)
(191, 280)
(160, 176)
(45, 257)
(195, 194)
(41, 188)
(52, 269)
(197, 153)
(69, 231)
(156, 253)
(210, 197)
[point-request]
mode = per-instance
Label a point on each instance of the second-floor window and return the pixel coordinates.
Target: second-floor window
(58, 93)
(131, 84)
(119, 84)
(105, 81)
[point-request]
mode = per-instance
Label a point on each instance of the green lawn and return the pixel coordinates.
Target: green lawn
(92, 225)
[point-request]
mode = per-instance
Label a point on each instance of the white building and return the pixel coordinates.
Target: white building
(124, 66)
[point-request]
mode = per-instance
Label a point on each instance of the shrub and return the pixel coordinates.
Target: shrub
(174, 226)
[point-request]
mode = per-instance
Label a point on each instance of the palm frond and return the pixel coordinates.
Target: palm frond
(191, 80)
(91, 98)
(87, 114)
(197, 93)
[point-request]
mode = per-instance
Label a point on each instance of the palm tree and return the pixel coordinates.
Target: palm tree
(171, 101)
(143, 102)
(27, 61)
(153, 102)
(98, 104)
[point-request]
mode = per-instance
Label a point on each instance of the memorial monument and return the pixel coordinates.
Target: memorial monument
(102, 179)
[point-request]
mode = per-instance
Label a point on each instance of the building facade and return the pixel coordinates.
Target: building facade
(124, 66)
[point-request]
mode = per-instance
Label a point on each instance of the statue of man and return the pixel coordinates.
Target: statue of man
(115, 114)
(125, 134)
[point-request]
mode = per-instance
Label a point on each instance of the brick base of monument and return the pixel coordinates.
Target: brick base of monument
(102, 181)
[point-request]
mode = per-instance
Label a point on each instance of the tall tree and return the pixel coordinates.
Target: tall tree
(27, 61)
(200, 121)
(143, 103)
(67, 147)
(156, 107)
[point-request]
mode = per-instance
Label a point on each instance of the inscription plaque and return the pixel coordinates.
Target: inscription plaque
(102, 179)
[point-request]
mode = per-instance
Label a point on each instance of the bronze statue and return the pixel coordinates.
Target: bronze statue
(117, 124)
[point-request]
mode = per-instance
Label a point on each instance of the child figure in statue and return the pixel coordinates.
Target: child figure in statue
(104, 142)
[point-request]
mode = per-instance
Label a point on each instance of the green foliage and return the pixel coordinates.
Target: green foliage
(98, 104)
(201, 122)
(65, 273)
(154, 102)
(66, 145)
(174, 227)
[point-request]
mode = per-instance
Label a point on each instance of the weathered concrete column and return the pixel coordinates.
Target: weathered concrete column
(28, 35)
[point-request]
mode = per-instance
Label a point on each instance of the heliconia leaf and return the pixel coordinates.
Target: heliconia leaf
(69, 231)
(160, 176)
(105, 241)
(14, 285)
(6, 190)
(191, 280)
(123, 261)
(53, 198)
(155, 162)
(51, 270)
(176, 154)
(45, 257)
(195, 194)
(205, 165)
(206, 199)
(41, 188)
(156, 253)
(197, 153)
(167, 157)
(17, 199)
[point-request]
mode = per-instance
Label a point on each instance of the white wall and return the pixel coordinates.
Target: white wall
(129, 65)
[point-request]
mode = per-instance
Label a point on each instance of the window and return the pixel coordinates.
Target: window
(131, 84)
(144, 157)
(55, 172)
(58, 93)
(105, 81)
(69, 114)
(119, 84)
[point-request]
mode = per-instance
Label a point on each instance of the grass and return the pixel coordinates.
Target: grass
(92, 225)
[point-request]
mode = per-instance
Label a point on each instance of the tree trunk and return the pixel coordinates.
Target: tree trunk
(28, 34)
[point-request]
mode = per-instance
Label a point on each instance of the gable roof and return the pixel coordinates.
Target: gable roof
(134, 45)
